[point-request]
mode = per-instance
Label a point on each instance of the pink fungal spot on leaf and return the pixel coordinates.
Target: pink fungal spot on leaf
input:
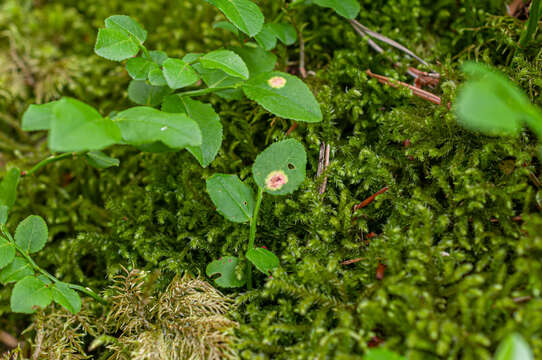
(277, 82)
(276, 180)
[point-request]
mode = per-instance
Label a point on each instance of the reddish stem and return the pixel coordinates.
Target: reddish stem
(370, 199)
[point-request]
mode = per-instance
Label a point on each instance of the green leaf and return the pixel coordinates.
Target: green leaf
(218, 78)
(66, 297)
(227, 61)
(79, 127)
(145, 125)
(225, 266)
(159, 57)
(143, 93)
(347, 8)
(208, 122)
(266, 38)
(31, 234)
(156, 77)
(263, 259)
(492, 104)
(257, 59)
(100, 160)
(115, 45)
(7, 252)
(191, 57)
(179, 74)
(138, 68)
(244, 14)
(224, 25)
(284, 95)
(38, 117)
(3, 214)
(284, 32)
(514, 347)
(8, 187)
(126, 23)
(16, 270)
(30, 293)
(232, 198)
(280, 168)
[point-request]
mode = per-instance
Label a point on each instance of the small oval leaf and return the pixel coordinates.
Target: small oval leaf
(66, 297)
(126, 23)
(232, 198)
(143, 93)
(7, 252)
(115, 44)
(138, 68)
(31, 234)
(179, 74)
(280, 168)
(8, 187)
(284, 95)
(100, 160)
(30, 293)
(18, 269)
(346, 8)
(38, 117)
(145, 125)
(244, 14)
(263, 259)
(227, 61)
(208, 122)
(225, 266)
(72, 124)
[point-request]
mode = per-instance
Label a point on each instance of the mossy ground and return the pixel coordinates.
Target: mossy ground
(461, 269)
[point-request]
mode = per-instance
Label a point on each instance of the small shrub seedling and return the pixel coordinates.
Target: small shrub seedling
(76, 129)
(34, 287)
(278, 170)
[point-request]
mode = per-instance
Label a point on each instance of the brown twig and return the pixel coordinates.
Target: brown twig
(324, 168)
(9, 340)
(292, 128)
(416, 91)
(370, 199)
(422, 77)
(353, 261)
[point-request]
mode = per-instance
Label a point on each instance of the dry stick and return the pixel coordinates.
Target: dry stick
(387, 40)
(292, 128)
(370, 199)
(353, 261)
(9, 340)
(416, 91)
(363, 31)
(321, 160)
(326, 164)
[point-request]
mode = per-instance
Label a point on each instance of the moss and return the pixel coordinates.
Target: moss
(461, 269)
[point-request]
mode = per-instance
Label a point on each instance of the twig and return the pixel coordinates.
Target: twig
(292, 128)
(421, 77)
(321, 160)
(9, 340)
(386, 40)
(370, 199)
(522, 299)
(416, 91)
(353, 261)
(326, 164)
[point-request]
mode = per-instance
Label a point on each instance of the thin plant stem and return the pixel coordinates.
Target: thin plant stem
(146, 52)
(87, 291)
(252, 238)
(205, 91)
(50, 159)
